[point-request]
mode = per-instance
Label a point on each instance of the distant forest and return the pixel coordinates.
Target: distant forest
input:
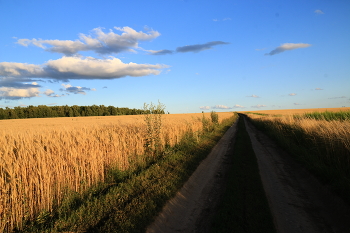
(43, 111)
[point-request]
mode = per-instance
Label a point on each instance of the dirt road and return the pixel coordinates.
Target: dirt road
(298, 202)
(193, 206)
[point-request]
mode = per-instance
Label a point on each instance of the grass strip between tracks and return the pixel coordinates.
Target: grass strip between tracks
(244, 206)
(132, 201)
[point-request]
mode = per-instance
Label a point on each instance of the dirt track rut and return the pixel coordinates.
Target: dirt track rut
(298, 201)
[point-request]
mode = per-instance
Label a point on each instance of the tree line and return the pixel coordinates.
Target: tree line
(43, 111)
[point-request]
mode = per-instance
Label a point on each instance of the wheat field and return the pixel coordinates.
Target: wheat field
(42, 159)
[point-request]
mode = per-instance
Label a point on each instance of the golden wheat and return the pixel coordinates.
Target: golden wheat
(334, 135)
(41, 159)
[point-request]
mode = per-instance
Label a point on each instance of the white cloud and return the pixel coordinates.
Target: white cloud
(292, 94)
(18, 93)
(48, 92)
(238, 106)
(51, 93)
(254, 96)
(220, 107)
(100, 42)
(287, 46)
(204, 107)
(297, 104)
(258, 106)
(319, 12)
(67, 68)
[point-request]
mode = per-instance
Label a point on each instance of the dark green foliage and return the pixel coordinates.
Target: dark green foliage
(244, 207)
(214, 117)
(43, 111)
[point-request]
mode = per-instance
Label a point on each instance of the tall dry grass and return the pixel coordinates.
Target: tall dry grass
(322, 146)
(42, 159)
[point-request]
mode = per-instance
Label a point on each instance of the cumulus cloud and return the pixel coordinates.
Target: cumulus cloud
(254, 96)
(319, 12)
(292, 94)
(161, 52)
(238, 106)
(259, 106)
(76, 90)
(204, 107)
(12, 93)
(199, 47)
(51, 93)
(287, 46)
(67, 68)
(100, 42)
(221, 107)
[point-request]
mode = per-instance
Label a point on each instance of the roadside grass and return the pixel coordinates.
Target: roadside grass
(244, 206)
(322, 146)
(130, 200)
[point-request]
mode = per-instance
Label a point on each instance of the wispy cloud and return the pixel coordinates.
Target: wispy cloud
(188, 48)
(221, 107)
(199, 47)
(259, 106)
(297, 104)
(215, 107)
(341, 97)
(319, 12)
(287, 46)
(318, 89)
(99, 42)
(292, 94)
(238, 106)
(254, 96)
(224, 19)
(260, 49)
(76, 90)
(161, 52)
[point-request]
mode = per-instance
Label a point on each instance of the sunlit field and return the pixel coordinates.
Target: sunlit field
(43, 159)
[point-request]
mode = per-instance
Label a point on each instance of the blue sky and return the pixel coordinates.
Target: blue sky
(191, 55)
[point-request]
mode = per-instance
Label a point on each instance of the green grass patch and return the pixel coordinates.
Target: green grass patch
(244, 207)
(130, 201)
(328, 116)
